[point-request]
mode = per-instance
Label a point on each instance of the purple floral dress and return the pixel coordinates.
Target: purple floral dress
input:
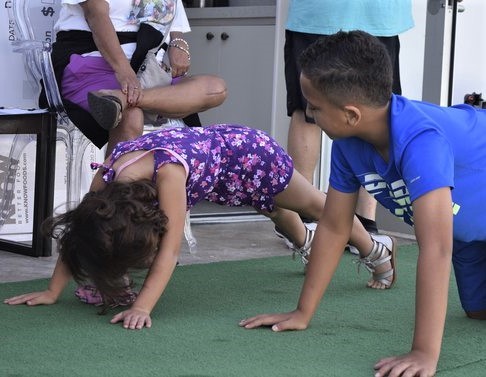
(225, 164)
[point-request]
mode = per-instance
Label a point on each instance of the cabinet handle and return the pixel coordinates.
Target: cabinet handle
(224, 36)
(209, 36)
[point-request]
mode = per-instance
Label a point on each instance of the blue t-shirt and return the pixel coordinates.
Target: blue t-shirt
(381, 18)
(430, 147)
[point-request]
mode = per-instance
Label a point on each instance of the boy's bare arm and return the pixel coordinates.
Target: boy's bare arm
(433, 229)
(332, 234)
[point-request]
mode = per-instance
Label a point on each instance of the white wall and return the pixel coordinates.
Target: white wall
(412, 44)
(470, 54)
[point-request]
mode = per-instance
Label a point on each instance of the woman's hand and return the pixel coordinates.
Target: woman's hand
(280, 322)
(34, 298)
(179, 57)
(133, 319)
(130, 86)
(415, 363)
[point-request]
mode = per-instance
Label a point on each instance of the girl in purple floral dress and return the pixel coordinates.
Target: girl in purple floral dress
(224, 164)
(134, 215)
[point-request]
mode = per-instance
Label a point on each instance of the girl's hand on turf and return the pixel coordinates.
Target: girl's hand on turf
(34, 298)
(279, 322)
(133, 319)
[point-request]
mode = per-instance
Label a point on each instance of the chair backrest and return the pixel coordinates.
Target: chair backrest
(35, 45)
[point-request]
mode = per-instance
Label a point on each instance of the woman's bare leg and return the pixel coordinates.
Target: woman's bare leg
(190, 95)
(130, 127)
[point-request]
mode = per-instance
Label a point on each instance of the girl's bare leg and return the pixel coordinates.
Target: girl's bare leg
(303, 198)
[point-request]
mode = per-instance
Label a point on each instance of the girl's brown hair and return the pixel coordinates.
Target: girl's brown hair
(108, 233)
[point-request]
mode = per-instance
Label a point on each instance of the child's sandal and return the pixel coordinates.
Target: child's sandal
(304, 250)
(380, 254)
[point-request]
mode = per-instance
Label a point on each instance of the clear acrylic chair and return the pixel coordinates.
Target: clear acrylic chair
(37, 59)
(38, 65)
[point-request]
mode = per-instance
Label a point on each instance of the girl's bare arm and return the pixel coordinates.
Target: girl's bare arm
(171, 187)
(60, 278)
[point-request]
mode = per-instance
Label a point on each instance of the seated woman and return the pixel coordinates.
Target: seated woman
(95, 49)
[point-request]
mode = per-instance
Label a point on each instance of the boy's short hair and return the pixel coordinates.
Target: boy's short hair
(349, 67)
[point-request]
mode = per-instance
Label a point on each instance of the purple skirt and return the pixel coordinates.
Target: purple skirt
(84, 74)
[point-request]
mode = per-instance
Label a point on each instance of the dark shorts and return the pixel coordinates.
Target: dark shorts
(469, 261)
(296, 43)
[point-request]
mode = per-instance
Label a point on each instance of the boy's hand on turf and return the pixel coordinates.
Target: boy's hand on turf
(133, 319)
(415, 363)
(279, 322)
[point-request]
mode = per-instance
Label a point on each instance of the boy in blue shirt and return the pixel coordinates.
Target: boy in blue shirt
(425, 163)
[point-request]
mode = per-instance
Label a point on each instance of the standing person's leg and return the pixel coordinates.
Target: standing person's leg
(392, 45)
(366, 211)
(304, 144)
(304, 137)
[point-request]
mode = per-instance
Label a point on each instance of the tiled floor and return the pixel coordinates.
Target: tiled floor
(216, 242)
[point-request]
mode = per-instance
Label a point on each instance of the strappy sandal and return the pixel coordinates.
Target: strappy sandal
(381, 252)
(304, 250)
(105, 109)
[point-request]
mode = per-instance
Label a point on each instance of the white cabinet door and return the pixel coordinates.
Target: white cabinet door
(243, 57)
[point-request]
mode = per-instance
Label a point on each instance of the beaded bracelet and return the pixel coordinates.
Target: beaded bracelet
(180, 40)
(182, 49)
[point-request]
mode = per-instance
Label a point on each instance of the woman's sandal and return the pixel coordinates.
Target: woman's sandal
(381, 253)
(105, 109)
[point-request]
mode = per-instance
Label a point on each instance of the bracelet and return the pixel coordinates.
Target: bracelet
(182, 49)
(180, 40)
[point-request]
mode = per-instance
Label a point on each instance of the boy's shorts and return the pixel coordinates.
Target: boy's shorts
(469, 261)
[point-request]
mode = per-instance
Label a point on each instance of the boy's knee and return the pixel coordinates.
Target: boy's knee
(477, 315)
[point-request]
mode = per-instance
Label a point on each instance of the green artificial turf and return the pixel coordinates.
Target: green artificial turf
(195, 329)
